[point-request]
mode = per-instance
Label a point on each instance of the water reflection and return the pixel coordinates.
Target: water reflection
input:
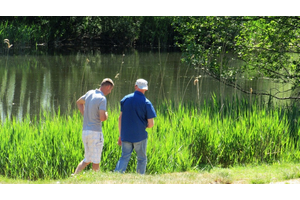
(10, 93)
(2, 91)
(45, 99)
(34, 83)
(22, 95)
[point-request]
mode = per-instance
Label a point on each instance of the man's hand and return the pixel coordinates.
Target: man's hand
(103, 115)
(80, 104)
(150, 123)
(119, 141)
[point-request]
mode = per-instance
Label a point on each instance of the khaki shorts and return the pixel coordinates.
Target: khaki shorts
(93, 145)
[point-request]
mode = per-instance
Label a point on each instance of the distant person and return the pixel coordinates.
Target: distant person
(137, 114)
(92, 106)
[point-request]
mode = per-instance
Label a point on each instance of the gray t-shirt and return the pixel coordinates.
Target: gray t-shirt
(94, 101)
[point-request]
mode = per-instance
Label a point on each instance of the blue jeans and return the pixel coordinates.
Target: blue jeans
(127, 148)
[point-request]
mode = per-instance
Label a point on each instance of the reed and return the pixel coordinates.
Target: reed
(185, 137)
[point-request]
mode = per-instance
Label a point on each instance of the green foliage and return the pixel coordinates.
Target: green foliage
(106, 30)
(20, 32)
(156, 31)
(268, 46)
(122, 30)
(205, 41)
(40, 148)
(184, 138)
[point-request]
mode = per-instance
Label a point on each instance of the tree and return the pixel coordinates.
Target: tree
(156, 31)
(268, 47)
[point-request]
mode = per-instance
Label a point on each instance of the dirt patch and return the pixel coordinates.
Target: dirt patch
(292, 181)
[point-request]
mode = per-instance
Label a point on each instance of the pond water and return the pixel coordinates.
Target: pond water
(39, 81)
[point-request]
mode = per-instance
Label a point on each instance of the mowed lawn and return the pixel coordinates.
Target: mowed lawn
(262, 174)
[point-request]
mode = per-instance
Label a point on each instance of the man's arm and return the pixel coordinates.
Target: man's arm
(150, 123)
(80, 104)
(103, 115)
(120, 119)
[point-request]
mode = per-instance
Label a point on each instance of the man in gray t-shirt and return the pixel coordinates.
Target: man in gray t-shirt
(92, 106)
(97, 102)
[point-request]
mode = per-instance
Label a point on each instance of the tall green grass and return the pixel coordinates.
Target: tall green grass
(44, 147)
(184, 137)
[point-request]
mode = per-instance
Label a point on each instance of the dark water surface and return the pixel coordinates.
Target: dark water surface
(31, 83)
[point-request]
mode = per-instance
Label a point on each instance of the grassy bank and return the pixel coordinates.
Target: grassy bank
(184, 138)
(261, 174)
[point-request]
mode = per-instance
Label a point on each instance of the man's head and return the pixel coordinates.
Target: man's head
(141, 85)
(106, 86)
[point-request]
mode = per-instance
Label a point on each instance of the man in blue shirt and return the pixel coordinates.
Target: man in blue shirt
(137, 114)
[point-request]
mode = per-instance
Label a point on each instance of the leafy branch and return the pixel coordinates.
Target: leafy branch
(268, 46)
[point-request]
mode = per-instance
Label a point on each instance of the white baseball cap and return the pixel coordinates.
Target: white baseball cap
(142, 84)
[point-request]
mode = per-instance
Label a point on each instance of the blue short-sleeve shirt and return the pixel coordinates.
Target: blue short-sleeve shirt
(136, 110)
